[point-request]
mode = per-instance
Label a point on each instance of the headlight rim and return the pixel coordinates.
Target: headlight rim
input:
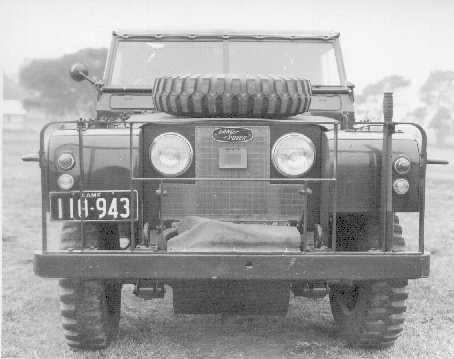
(189, 146)
(276, 143)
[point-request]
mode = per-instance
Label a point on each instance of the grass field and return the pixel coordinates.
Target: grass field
(31, 319)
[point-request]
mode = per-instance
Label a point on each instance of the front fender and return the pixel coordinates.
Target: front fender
(106, 158)
(359, 171)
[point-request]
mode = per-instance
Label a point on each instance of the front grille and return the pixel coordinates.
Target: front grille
(222, 198)
(232, 200)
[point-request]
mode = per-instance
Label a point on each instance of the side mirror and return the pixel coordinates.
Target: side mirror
(79, 72)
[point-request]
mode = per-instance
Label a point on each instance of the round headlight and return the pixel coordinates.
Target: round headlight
(402, 165)
(171, 154)
(65, 161)
(65, 181)
(293, 154)
(401, 186)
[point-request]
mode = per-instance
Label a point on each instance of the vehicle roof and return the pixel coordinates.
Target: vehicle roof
(258, 34)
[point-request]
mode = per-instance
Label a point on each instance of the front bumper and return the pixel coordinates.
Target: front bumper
(235, 266)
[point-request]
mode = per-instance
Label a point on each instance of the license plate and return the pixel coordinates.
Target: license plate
(232, 157)
(92, 205)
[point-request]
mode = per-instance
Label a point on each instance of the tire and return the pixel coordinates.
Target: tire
(360, 232)
(232, 96)
(90, 309)
(370, 314)
(398, 238)
(101, 236)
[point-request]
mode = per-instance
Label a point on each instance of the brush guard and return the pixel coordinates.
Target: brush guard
(328, 264)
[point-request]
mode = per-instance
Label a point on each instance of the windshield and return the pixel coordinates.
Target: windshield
(136, 64)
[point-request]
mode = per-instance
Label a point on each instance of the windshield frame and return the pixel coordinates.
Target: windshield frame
(118, 39)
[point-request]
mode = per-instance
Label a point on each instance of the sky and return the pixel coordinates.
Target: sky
(379, 38)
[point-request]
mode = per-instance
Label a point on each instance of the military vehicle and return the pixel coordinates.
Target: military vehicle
(229, 168)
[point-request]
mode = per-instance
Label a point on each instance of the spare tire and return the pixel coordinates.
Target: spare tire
(232, 96)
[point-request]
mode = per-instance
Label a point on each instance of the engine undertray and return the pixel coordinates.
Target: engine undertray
(231, 297)
(197, 234)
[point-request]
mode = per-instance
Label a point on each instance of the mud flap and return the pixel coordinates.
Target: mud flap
(231, 297)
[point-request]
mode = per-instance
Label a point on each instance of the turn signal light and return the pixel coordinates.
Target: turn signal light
(401, 186)
(65, 161)
(65, 182)
(402, 165)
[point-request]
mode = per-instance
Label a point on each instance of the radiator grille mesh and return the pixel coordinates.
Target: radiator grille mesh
(243, 200)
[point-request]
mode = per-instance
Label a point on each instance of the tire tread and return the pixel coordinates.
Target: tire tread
(232, 96)
(379, 320)
(88, 322)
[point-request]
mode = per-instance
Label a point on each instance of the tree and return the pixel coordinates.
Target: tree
(369, 101)
(441, 122)
(12, 90)
(51, 88)
(438, 90)
(437, 95)
(388, 83)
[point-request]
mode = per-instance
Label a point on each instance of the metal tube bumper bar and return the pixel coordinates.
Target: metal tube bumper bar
(265, 266)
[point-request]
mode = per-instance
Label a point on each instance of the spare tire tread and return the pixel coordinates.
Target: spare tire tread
(232, 96)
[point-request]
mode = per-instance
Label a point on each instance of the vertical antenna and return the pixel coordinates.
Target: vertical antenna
(386, 178)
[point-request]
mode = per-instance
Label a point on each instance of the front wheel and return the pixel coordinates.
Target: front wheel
(90, 309)
(370, 314)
